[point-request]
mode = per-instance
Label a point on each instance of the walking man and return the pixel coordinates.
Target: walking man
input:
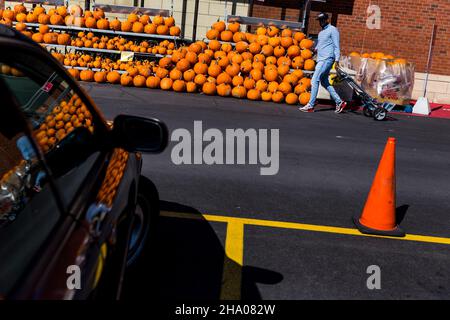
(328, 52)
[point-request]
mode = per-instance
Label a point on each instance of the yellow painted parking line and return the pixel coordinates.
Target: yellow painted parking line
(233, 260)
(302, 226)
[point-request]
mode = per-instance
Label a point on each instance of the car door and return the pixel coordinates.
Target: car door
(87, 176)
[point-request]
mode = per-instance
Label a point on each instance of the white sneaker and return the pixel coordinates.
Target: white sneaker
(306, 108)
(341, 106)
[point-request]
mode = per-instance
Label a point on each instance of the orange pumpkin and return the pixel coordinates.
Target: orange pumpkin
(63, 39)
(254, 48)
(279, 51)
(223, 90)
(299, 36)
(20, 26)
(239, 36)
(158, 20)
(306, 54)
(20, 8)
(55, 19)
(175, 74)
(214, 69)
(201, 68)
(138, 27)
(286, 42)
(249, 83)
(226, 35)
(291, 98)
(239, 92)
(209, 88)
(126, 80)
(200, 79)
(285, 88)
(304, 98)
(309, 65)
(261, 85)
(232, 69)
(162, 30)
(272, 87)
(224, 78)
(166, 84)
(150, 28)
(254, 94)
(90, 22)
(87, 75)
(179, 86)
(191, 87)
(212, 34)
(125, 26)
(246, 66)
(20, 17)
(237, 81)
(153, 82)
(174, 31)
(115, 24)
(103, 24)
(256, 74)
(272, 31)
(298, 62)
(113, 77)
(306, 44)
(219, 26)
(38, 37)
(183, 65)
(75, 73)
(189, 75)
(277, 97)
(266, 96)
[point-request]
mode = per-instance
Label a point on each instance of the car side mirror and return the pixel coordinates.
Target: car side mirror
(138, 134)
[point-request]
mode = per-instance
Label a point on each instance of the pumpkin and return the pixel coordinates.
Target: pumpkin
(226, 47)
(200, 79)
(183, 65)
(286, 42)
(258, 65)
(299, 36)
(90, 22)
(266, 96)
(239, 92)
(271, 60)
(174, 31)
(234, 27)
(237, 81)
(285, 88)
(249, 83)
(87, 75)
(299, 89)
(292, 79)
(166, 84)
(153, 82)
(306, 82)
(55, 19)
(126, 26)
(261, 31)
(214, 45)
(309, 65)
(162, 30)
(226, 35)
(279, 51)
(103, 24)
(100, 76)
(261, 85)
(293, 51)
(179, 86)
(115, 24)
(212, 34)
(241, 46)
(209, 88)
(161, 73)
(298, 62)
(137, 27)
(254, 94)
(232, 69)
(38, 10)
(158, 20)
(267, 50)
(98, 14)
(283, 70)
(306, 44)
(246, 66)
(306, 54)
(272, 87)
(75, 10)
(20, 26)
(254, 48)
(195, 47)
(189, 75)
(38, 37)
(201, 68)
(175, 74)
(274, 41)
(239, 36)
(50, 38)
(214, 69)
(74, 73)
(144, 19)
(21, 17)
(20, 8)
(63, 39)
(191, 87)
(304, 98)
(224, 78)
(113, 77)
(62, 11)
(277, 96)
(170, 21)
(256, 74)
(291, 98)
(223, 62)
(219, 26)
(150, 28)
(126, 80)
(223, 90)
(31, 18)
(9, 14)
(271, 74)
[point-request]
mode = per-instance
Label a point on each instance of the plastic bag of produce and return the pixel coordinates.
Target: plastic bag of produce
(385, 80)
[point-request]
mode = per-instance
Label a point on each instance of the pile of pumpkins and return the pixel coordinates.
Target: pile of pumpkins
(63, 119)
(10, 71)
(378, 56)
(253, 71)
(75, 16)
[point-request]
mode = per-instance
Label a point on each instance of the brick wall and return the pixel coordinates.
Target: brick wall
(405, 27)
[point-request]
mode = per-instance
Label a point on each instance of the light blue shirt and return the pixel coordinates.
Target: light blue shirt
(328, 44)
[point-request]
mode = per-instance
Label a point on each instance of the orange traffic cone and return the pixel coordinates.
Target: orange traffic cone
(378, 216)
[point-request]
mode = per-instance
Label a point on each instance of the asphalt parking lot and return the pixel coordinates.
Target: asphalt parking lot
(227, 232)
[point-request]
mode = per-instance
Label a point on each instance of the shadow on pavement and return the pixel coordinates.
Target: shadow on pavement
(400, 213)
(186, 262)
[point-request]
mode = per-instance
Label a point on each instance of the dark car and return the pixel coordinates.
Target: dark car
(75, 212)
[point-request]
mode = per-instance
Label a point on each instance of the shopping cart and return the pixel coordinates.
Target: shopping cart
(371, 107)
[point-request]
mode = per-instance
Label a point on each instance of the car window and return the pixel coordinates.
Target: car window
(28, 208)
(62, 124)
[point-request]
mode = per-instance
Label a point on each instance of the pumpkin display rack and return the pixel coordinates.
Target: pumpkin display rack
(106, 8)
